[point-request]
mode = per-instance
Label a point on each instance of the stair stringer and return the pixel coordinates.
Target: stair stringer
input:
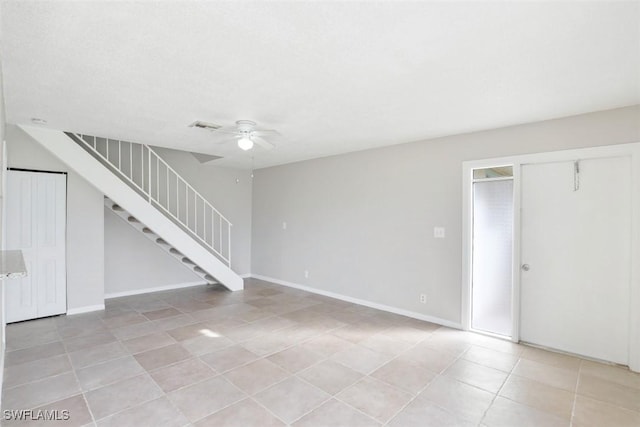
(74, 156)
(153, 237)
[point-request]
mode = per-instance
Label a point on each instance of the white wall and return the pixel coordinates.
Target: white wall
(85, 221)
(362, 223)
(133, 262)
(229, 191)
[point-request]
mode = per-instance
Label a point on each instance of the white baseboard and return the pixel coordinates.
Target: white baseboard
(246, 276)
(156, 289)
(366, 303)
(86, 309)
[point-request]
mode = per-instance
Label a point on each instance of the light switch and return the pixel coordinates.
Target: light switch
(284, 225)
(438, 232)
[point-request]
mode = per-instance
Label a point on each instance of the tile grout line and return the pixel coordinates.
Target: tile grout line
(134, 406)
(615, 405)
(438, 375)
(82, 393)
(277, 417)
(41, 378)
(575, 394)
(413, 398)
(497, 394)
(216, 374)
(246, 396)
(331, 397)
(144, 403)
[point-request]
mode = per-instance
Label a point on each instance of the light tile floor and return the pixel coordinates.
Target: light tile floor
(273, 356)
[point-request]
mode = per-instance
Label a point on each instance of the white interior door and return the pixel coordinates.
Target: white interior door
(576, 245)
(35, 224)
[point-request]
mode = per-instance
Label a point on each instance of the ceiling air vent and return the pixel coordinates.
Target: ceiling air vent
(204, 125)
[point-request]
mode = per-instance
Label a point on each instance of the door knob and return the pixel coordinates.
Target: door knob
(525, 267)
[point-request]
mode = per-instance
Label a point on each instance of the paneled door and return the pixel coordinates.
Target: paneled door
(576, 256)
(36, 223)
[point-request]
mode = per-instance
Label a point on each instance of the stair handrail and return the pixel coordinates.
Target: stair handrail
(156, 201)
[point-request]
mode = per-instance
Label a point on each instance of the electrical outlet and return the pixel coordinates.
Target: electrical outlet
(306, 274)
(423, 298)
(284, 225)
(438, 232)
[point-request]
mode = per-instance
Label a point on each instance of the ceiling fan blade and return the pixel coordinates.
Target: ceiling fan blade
(225, 141)
(226, 130)
(262, 143)
(265, 132)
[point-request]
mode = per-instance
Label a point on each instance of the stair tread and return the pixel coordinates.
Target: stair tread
(147, 230)
(175, 251)
(133, 219)
(188, 261)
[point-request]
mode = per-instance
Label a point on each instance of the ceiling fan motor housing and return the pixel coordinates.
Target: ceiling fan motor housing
(245, 126)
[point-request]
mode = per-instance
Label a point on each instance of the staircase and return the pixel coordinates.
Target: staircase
(141, 188)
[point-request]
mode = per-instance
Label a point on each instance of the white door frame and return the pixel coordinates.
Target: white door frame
(632, 150)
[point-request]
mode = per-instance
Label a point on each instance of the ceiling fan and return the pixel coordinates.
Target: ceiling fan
(246, 133)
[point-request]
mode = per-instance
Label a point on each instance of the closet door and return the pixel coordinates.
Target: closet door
(576, 246)
(35, 223)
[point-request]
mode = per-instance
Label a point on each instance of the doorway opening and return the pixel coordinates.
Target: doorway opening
(492, 251)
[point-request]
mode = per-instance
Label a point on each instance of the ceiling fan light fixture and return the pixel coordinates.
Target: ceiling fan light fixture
(245, 143)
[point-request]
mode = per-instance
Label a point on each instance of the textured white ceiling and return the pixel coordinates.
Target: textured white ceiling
(333, 77)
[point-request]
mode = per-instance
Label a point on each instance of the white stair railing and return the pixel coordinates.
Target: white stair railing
(164, 188)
